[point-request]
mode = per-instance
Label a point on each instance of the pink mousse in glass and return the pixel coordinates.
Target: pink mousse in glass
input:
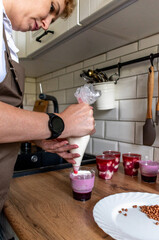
(117, 158)
(105, 166)
(82, 183)
(149, 171)
(131, 163)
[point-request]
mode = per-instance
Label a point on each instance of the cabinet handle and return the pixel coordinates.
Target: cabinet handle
(43, 34)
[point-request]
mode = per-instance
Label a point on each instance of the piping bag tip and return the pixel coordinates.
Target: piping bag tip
(75, 169)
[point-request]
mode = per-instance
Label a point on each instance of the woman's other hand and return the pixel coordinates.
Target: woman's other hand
(60, 147)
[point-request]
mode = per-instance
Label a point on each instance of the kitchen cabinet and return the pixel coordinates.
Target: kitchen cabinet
(92, 10)
(85, 13)
(87, 8)
(20, 42)
(62, 29)
(105, 25)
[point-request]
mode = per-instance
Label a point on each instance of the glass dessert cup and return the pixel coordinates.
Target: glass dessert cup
(117, 158)
(131, 163)
(82, 183)
(105, 166)
(149, 170)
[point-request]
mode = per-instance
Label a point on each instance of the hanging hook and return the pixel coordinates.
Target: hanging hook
(115, 77)
(151, 61)
(118, 75)
(119, 67)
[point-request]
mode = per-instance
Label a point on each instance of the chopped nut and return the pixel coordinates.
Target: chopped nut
(134, 206)
(152, 211)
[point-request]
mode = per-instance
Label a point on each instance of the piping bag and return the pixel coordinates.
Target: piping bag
(88, 95)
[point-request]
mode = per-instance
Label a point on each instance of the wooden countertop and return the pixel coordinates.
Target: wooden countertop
(41, 206)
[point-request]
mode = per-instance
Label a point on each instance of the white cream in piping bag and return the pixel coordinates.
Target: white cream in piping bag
(88, 95)
(82, 143)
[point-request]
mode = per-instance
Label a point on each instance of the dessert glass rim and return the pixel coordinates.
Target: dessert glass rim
(131, 155)
(105, 157)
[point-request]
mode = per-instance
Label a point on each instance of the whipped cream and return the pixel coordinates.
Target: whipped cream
(82, 172)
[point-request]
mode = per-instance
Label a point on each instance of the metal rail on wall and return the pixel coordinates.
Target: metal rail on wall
(99, 75)
(137, 60)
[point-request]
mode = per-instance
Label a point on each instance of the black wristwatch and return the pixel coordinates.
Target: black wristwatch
(56, 125)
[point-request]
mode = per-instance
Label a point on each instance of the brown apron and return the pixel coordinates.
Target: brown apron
(11, 92)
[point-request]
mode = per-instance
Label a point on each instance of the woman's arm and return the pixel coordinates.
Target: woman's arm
(17, 125)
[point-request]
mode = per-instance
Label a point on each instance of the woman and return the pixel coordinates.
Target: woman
(16, 124)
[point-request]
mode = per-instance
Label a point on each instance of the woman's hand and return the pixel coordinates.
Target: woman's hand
(78, 119)
(60, 147)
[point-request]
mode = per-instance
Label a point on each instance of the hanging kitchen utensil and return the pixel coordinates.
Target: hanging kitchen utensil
(157, 105)
(94, 76)
(87, 77)
(103, 76)
(149, 132)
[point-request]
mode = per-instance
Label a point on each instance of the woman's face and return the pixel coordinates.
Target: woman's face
(30, 15)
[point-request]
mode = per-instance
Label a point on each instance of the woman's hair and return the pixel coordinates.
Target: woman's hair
(70, 5)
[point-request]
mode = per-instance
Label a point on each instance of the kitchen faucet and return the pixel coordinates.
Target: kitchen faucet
(45, 97)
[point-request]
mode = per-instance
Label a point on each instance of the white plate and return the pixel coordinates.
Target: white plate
(136, 225)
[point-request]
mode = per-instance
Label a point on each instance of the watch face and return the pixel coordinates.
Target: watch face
(58, 125)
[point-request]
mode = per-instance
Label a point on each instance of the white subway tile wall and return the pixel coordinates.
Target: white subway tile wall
(30, 93)
(100, 129)
(30, 88)
(142, 85)
(77, 80)
(149, 41)
(126, 88)
(139, 133)
(131, 48)
(66, 81)
(98, 59)
(139, 149)
(74, 67)
(70, 98)
(112, 114)
(89, 147)
(122, 127)
(156, 154)
(120, 131)
(135, 109)
(101, 145)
